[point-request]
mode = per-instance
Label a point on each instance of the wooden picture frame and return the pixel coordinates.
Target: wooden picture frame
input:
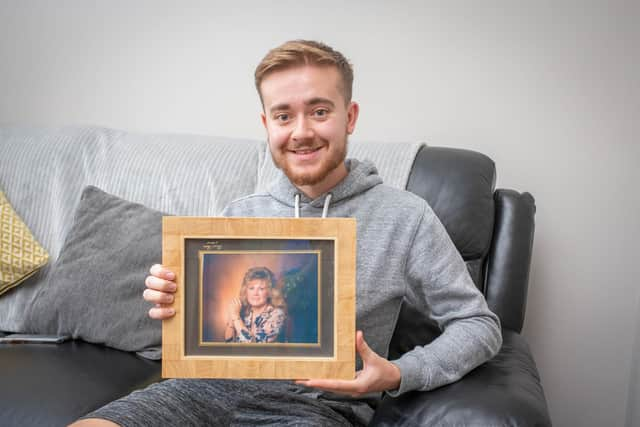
(306, 326)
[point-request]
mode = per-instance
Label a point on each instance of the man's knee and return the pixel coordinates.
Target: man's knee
(94, 422)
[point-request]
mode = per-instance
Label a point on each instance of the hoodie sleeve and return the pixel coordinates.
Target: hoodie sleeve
(470, 331)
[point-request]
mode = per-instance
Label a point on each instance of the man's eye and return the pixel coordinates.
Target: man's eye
(282, 117)
(320, 113)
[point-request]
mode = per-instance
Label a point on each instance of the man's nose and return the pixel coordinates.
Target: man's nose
(302, 130)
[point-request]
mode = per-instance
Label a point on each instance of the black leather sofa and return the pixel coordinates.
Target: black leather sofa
(44, 384)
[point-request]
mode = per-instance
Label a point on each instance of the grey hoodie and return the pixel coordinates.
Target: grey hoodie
(403, 253)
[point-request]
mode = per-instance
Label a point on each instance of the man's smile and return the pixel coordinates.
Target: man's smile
(306, 153)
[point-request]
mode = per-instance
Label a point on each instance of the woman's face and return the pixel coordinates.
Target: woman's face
(257, 293)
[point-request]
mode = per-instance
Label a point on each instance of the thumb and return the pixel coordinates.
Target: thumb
(363, 348)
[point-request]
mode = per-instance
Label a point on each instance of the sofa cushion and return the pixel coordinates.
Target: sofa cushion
(94, 291)
(55, 384)
(21, 255)
(505, 391)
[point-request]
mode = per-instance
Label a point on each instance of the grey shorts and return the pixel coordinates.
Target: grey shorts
(195, 402)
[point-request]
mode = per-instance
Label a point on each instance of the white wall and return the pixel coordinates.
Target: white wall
(549, 90)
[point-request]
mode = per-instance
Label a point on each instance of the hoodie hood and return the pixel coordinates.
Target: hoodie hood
(362, 176)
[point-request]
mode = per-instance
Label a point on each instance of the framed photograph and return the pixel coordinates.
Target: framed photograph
(260, 298)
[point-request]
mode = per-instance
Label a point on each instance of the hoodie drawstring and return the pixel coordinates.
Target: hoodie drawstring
(325, 208)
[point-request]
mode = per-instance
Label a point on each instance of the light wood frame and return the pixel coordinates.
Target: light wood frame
(176, 364)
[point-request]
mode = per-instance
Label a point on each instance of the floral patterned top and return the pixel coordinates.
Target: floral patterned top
(263, 328)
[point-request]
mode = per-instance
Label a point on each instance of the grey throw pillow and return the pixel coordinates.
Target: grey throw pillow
(94, 291)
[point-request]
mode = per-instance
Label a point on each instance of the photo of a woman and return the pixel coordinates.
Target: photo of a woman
(258, 313)
(260, 297)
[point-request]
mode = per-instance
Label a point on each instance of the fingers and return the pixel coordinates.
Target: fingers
(235, 306)
(363, 348)
(159, 271)
(161, 312)
(371, 378)
(158, 284)
(160, 288)
(157, 297)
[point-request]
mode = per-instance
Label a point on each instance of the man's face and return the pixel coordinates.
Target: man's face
(307, 123)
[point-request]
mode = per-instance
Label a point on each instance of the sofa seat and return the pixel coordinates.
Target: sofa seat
(505, 391)
(54, 384)
(66, 381)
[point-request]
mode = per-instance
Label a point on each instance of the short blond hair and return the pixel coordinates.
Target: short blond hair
(296, 53)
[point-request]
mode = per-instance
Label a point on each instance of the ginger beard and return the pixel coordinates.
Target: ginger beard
(310, 173)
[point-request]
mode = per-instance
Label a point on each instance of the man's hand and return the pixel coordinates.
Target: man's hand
(377, 374)
(160, 289)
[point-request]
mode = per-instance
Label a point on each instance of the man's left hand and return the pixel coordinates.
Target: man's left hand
(377, 374)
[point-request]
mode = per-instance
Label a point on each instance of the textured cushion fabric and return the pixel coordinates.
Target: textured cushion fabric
(180, 174)
(21, 255)
(94, 291)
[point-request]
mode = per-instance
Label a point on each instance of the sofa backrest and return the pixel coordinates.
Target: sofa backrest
(459, 185)
(45, 170)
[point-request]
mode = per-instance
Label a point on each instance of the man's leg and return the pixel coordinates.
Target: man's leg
(219, 403)
(171, 402)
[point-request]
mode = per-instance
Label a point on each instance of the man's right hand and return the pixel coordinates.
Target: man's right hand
(160, 289)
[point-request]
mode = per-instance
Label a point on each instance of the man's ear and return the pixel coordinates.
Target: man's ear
(352, 116)
(263, 118)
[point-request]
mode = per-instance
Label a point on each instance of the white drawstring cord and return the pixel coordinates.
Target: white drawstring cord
(325, 208)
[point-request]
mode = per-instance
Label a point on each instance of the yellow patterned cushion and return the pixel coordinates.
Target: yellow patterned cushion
(20, 254)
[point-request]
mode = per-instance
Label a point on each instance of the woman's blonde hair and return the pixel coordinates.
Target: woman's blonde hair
(274, 297)
(305, 52)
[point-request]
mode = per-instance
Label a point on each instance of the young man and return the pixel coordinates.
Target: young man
(403, 253)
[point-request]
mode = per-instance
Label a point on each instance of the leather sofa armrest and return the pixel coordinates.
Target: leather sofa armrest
(505, 391)
(509, 260)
